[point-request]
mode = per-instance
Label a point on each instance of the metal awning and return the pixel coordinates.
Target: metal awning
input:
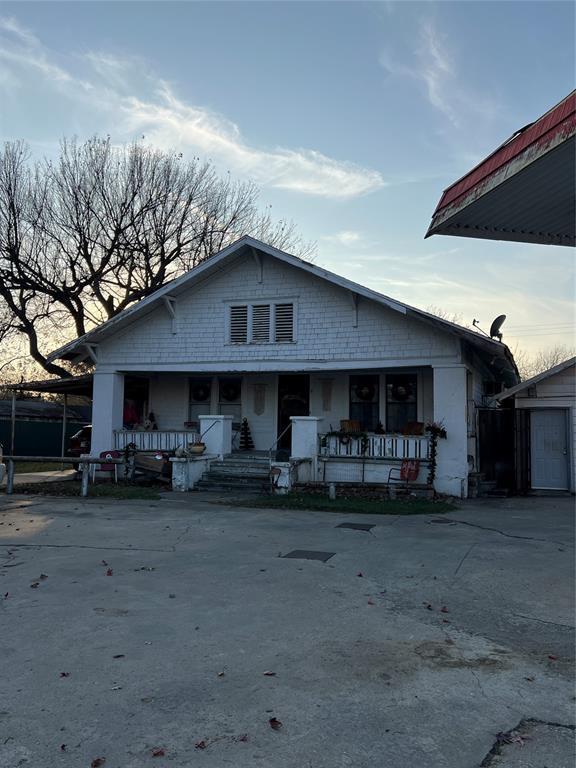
(524, 191)
(73, 385)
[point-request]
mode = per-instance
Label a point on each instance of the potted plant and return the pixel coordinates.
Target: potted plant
(196, 448)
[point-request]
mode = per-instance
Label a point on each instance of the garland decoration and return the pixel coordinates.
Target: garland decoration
(436, 432)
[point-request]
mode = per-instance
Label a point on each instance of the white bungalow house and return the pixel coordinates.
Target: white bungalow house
(299, 352)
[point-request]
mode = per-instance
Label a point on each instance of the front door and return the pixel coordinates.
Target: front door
(548, 450)
(293, 400)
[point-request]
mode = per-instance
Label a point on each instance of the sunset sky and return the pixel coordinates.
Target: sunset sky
(352, 117)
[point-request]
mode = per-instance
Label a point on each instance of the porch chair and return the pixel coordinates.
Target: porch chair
(407, 471)
(414, 428)
(350, 425)
(107, 467)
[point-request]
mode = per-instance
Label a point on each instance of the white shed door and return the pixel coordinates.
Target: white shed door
(549, 449)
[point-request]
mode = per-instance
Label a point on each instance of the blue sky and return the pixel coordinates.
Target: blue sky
(352, 117)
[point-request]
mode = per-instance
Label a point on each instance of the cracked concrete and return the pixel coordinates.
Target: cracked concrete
(452, 634)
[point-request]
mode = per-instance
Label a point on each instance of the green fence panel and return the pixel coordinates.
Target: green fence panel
(37, 438)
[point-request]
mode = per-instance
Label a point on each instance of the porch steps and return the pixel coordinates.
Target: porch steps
(240, 473)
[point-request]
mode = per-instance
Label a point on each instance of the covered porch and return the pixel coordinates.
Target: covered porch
(161, 411)
(352, 425)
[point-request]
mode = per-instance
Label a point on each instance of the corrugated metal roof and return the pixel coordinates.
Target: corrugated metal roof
(71, 385)
(42, 411)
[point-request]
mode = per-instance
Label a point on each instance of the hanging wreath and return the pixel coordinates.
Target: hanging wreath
(201, 392)
(402, 392)
(365, 392)
(230, 391)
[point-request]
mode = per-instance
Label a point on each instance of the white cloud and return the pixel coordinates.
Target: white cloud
(432, 65)
(120, 97)
(345, 237)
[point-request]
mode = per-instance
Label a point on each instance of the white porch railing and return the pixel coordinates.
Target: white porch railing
(376, 446)
(156, 439)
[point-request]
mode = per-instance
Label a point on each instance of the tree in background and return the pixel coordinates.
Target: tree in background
(531, 365)
(443, 314)
(86, 236)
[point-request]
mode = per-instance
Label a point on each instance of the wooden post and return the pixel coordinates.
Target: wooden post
(131, 465)
(10, 477)
(85, 478)
(13, 423)
(64, 415)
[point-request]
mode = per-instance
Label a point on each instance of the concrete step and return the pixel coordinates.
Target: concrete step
(234, 472)
(260, 469)
(234, 479)
(219, 477)
(230, 485)
(247, 457)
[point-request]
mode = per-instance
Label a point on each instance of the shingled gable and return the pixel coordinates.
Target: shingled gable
(250, 247)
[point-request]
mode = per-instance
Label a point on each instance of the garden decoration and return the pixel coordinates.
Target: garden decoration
(246, 442)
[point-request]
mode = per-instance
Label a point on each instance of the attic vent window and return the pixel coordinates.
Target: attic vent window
(260, 323)
(239, 324)
(271, 323)
(284, 317)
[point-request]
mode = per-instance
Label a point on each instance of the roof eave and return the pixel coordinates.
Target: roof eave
(440, 223)
(534, 380)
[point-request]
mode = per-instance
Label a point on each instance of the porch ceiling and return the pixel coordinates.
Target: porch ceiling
(523, 191)
(535, 205)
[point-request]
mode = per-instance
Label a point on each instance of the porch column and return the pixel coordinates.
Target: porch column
(216, 433)
(450, 404)
(305, 443)
(107, 410)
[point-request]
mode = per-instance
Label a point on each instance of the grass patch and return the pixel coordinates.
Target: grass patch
(317, 503)
(21, 467)
(99, 490)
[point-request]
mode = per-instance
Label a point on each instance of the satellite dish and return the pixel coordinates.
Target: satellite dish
(495, 327)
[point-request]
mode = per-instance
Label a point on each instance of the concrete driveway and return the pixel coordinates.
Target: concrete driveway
(414, 645)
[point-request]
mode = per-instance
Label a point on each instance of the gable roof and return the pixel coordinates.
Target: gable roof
(251, 246)
(535, 380)
(523, 191)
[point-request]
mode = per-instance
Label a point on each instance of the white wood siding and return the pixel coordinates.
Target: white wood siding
(325, 329)
(169, 400)
(557, 391)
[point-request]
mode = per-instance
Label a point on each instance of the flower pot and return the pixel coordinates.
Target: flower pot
(197, 448)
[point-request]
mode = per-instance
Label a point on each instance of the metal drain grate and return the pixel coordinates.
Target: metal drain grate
(309, 554)
(356, 526)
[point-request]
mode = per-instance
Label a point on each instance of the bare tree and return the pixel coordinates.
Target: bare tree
(444, 314)
(83, 238)
(531, 365)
